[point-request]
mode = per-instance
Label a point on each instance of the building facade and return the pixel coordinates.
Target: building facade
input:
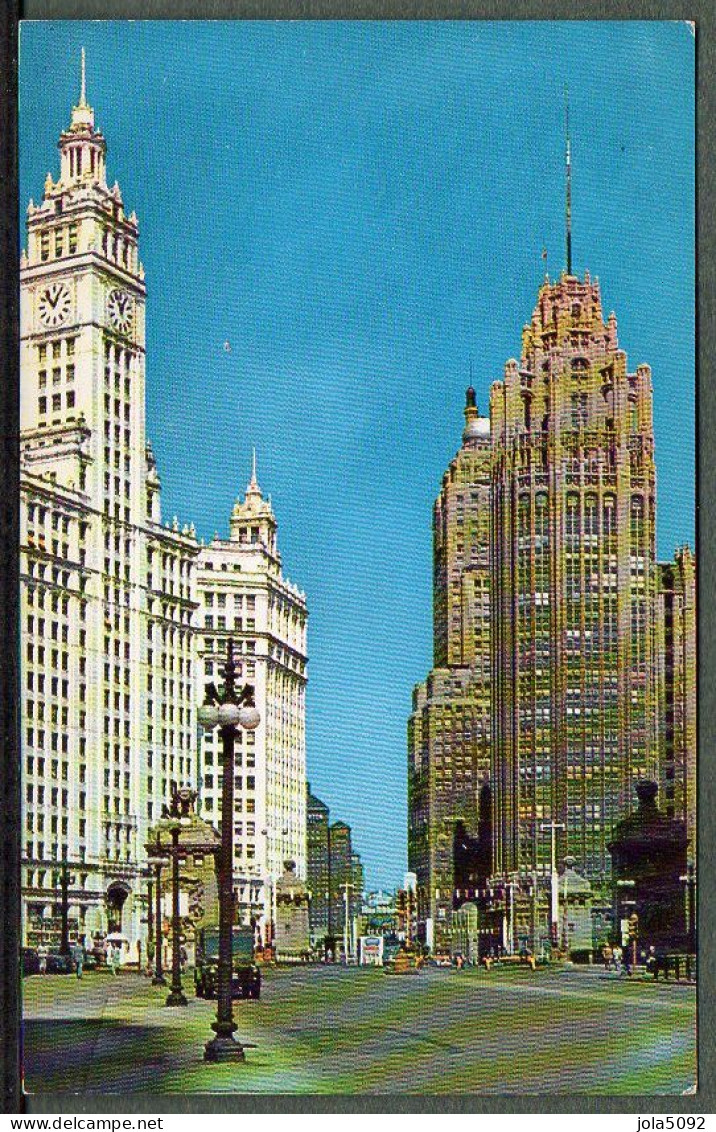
(449, 728)
(576, 696)
(106, 594)
(677, 653)
(113, 651)
(243, 596)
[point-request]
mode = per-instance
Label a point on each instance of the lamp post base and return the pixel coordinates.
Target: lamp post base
(176, 998)
(224, 1047)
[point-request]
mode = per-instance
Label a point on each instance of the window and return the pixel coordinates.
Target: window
(42, 406)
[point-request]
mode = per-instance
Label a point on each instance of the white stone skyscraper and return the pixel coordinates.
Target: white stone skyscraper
(106, 593)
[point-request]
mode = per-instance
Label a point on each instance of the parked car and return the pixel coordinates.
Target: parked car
(59, 964)
(30, 961)
(245, 975)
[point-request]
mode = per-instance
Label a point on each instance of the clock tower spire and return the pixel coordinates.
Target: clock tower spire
(82, 147)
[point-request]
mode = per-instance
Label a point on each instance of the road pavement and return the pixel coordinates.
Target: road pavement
(352, 1030)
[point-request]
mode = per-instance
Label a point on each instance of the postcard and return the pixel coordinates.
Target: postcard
(358, 559)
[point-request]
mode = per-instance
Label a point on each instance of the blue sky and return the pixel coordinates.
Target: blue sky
(359, 209)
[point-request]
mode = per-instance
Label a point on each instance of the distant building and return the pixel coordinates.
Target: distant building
(677, 652)
(341, 866)
(449, 729)
(335, 872)
(318, 866)
(358, 879)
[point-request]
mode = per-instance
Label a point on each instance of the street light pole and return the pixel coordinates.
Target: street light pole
(158, 980)
(227, 710)
(148, 874)
(533, 913)
(689, 880)
(553, 826)
(176, 996)
(65, 880)
(345, 888)
(511, 918)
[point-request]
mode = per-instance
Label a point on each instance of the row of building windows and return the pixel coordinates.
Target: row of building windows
(56, 402)
(221, 623)
(121, 251)
(57, 376)
(118, 434)
(54, 240)
(221, 599)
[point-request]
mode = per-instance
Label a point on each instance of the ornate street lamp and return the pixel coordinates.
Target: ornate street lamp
(64, 879)
(156, 863)
(176, 996)
(227, 709)
(689, 880)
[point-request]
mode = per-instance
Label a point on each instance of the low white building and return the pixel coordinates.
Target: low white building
(243, 596)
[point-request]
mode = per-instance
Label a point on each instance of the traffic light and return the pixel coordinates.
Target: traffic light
(633, 926)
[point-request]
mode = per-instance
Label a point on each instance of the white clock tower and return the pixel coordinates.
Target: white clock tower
(107, 595)
(82, 327)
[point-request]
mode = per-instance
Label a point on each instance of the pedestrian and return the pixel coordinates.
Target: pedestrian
(651, 963)
(617, 959)
(607, 955)
(78, 956)
(42, 954)
(112, 958)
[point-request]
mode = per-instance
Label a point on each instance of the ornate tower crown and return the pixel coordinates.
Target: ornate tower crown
(476, 427)
(252, 520)
(82, 148)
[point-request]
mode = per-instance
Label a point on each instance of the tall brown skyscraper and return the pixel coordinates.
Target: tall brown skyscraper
(449, 729)
(574, 611)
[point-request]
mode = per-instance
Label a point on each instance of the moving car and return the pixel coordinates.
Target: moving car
(245, 974)
(59, 964)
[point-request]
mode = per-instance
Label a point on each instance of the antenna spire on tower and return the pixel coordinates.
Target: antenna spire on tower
(83, 98)
(568, 202)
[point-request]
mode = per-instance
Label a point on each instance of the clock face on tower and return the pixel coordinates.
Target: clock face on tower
(54, 305)
(119, 308)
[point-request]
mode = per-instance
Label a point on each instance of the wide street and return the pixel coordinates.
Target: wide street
(337, 1030)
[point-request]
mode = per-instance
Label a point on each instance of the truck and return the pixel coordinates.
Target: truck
(245, 974)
